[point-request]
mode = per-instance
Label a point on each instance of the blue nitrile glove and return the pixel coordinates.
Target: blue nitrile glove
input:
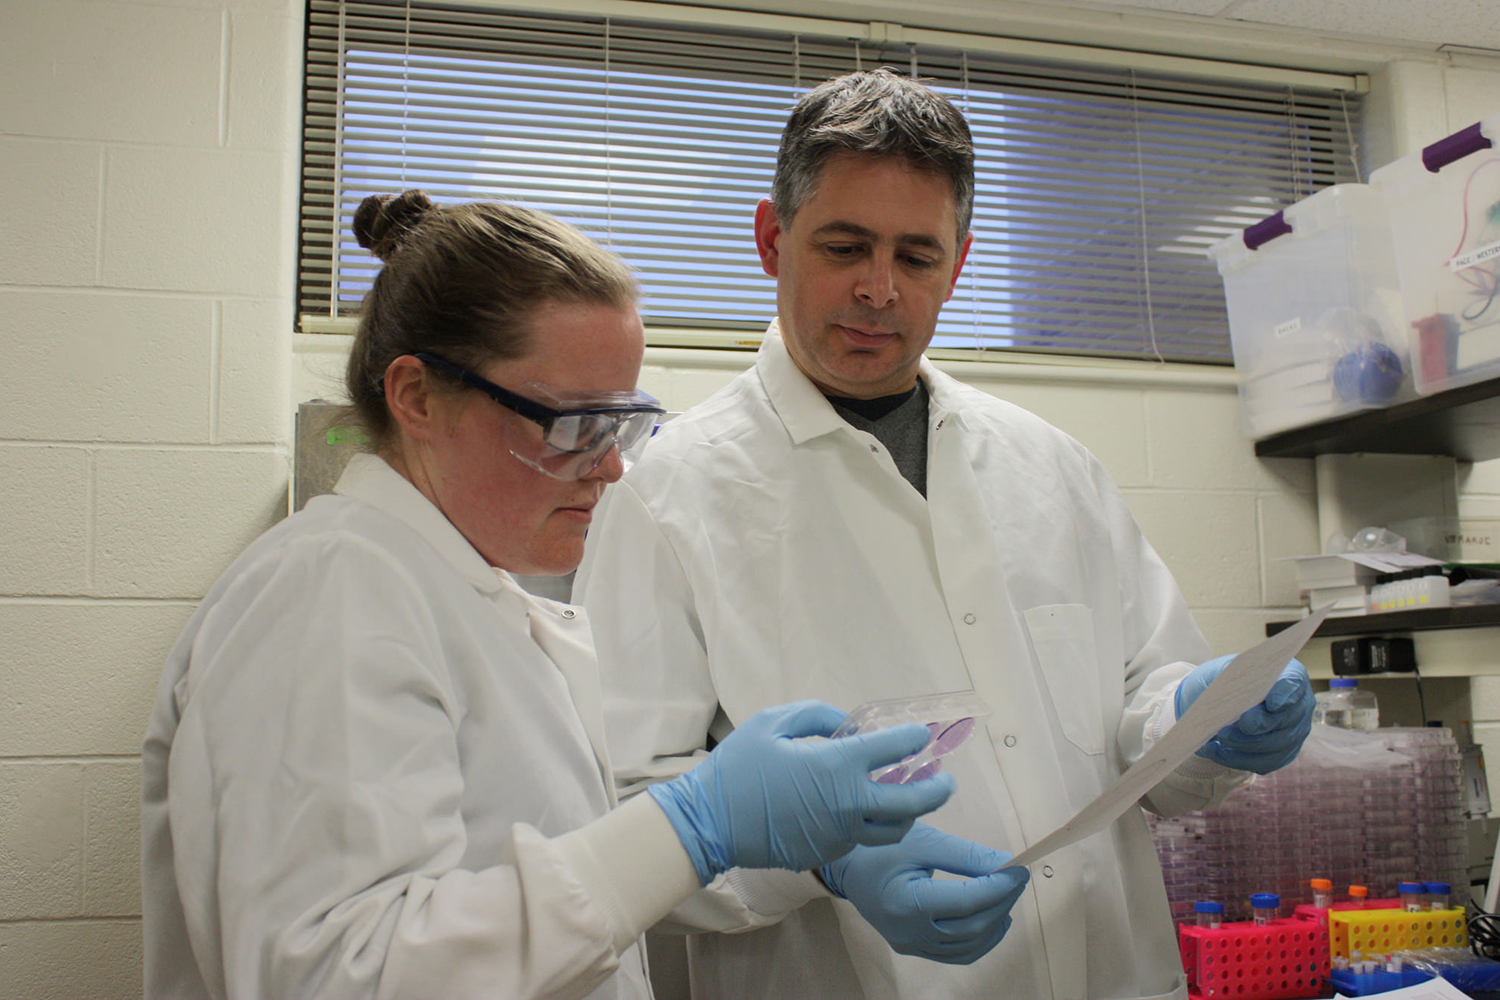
(1267, 736)
(946, 920)
(766, 799)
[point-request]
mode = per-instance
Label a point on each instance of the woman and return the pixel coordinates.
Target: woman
(376, 765)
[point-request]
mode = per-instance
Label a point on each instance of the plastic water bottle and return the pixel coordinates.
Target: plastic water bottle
(1346, 706)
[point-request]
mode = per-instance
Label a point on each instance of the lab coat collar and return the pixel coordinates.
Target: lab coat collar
(371, 479)
(806, 412)
(802, 407)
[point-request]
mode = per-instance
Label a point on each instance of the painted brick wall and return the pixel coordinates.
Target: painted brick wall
(148, 152)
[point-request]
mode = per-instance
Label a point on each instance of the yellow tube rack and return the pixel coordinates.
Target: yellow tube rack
(1373, 932)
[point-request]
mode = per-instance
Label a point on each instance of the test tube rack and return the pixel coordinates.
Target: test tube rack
(1281, 960)
(1364, 984)
(1380, 932)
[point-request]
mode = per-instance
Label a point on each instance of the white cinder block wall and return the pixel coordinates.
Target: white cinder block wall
(148, 154)
(146, 257)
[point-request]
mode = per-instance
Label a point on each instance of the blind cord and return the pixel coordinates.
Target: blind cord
(1140, 187)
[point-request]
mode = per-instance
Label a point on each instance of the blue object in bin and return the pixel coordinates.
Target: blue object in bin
(1370, 374)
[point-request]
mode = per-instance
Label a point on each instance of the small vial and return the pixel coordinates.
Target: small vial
(1411, 896)
(1339, 962)
(1437, 895)
(1263, 907)
(1358, 895)
(1392, 963)
(1210, 914)
(1322, 893)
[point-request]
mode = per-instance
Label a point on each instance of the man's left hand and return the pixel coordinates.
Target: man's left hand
(1266, 737)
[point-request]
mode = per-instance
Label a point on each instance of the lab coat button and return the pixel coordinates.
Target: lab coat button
(569, 613)
(1047, 871)
(969, 619)
(874, 450)
(1010, 741)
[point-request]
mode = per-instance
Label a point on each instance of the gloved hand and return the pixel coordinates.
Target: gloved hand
(946, 920)
(1265, 737)
(765, 799)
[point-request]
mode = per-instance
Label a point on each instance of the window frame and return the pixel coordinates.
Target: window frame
(886, 34)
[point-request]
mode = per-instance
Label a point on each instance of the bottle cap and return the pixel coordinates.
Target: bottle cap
(1321, 884)
(1411, 887)
(1208, 906)
(1264, 900)
(1343, 682)
(1439, 887)
(1359, 891)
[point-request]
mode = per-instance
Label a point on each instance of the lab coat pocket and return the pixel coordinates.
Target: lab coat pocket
(1062, 637)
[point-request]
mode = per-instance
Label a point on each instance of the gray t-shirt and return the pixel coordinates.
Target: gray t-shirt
(900, 423)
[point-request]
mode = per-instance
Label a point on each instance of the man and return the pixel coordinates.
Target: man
(845, 522)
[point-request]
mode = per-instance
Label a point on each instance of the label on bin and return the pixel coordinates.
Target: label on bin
(1290, 326)
(1467, 260)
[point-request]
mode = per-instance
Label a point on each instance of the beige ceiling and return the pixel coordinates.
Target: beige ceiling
(1469, 23)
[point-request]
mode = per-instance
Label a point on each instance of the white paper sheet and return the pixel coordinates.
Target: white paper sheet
(1239, 687)
(1433, 989)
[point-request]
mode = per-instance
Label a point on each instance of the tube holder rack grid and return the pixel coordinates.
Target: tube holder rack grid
(1282, 960)
(1384, 931)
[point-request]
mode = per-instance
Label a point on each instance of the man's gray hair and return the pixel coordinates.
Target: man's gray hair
(875, 113)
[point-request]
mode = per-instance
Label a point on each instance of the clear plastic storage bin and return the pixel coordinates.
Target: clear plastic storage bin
(1445, 217)
(1315, 318)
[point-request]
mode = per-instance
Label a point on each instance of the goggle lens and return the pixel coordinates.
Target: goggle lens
(576, 443)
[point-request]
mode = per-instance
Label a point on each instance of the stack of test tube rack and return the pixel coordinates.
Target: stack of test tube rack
(1279, 960)
(1376, 816)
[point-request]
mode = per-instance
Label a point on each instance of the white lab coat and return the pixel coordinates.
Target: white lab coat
(367, 752)
(764, 550)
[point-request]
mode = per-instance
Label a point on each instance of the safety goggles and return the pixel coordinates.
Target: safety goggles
(578, 429)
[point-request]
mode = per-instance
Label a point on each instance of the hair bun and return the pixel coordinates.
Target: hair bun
(382, 220)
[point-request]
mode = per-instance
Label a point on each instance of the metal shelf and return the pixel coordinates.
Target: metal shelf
(1415, 620)
(1463, 423)
(1449, 642)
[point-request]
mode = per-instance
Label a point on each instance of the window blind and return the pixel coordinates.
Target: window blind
(1098, 189)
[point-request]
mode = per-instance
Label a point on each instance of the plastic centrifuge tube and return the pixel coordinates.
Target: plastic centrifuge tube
(1210, 913)
(1411, 896)
(1437, 895)
(1322, 893)
(1358, 895)
(1263, 906)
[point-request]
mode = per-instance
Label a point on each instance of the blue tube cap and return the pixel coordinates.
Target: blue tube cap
(1412, 887)
(1264, 900)
(1439, 887)
(1343, 682)
(1208, 906)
